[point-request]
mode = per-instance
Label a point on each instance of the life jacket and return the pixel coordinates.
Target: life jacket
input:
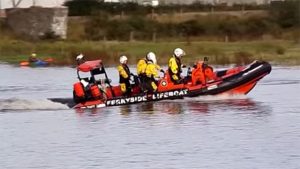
(141, 67)
(151, 73)
(209, 73)
(177, 66)
(127, 71)
(198, 75)
(202, 73)
(151, 70)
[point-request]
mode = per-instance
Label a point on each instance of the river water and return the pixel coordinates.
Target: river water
(260, 130)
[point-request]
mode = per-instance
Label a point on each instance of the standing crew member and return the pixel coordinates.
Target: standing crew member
(175, 65)
(124, 74)
(152, 72)
(140, 68)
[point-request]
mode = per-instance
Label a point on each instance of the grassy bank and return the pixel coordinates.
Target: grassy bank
(63, 52)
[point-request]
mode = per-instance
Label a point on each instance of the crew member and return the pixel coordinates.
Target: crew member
(152, 72)
(141, 67)
(124, 74)
(175, 66)
(208, 71)
(80, 59)
(202, 72)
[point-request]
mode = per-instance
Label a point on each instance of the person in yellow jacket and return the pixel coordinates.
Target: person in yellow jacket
(151, 72)
(175, 65)
(140, 68)
(124, 74)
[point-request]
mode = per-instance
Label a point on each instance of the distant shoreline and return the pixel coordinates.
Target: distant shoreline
(220, 53)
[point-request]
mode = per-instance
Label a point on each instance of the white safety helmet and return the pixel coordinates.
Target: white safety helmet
(151, 57)
(33, 55)
(123, 59)
(178, 52)
(79, 57)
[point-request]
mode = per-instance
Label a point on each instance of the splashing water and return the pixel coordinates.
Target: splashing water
(29, 104)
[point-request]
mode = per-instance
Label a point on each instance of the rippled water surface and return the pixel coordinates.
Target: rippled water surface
(260, 130)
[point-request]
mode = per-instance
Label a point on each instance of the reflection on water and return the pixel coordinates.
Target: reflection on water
(173, 107)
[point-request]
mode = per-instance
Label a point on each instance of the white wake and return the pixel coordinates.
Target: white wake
(30, 104)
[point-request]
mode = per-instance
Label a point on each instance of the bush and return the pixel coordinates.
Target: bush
(86, 7)
(280, 50)
(49, 35)
(242, 57)
(81, 7)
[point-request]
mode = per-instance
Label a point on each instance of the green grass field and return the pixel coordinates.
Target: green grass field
(277, 51)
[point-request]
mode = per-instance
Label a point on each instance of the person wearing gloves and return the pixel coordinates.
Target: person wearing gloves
(124, 74)
(151, 72)
(175, 66)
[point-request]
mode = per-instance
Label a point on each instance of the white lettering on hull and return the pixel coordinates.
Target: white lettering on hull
(137, 99)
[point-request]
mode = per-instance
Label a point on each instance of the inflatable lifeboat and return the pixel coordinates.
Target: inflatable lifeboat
(92, 93)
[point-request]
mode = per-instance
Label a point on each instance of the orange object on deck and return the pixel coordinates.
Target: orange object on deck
(198, 76)
(209, 73)
(78, 88)
(95, 91)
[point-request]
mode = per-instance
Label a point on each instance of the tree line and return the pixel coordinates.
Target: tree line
(88, 7)
(137, 25)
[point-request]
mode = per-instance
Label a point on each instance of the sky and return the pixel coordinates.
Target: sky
(27, 3)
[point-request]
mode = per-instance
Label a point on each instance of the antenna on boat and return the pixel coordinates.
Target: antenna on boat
(111, 89)
(205, 59)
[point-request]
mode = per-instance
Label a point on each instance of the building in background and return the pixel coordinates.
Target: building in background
(38, 22)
